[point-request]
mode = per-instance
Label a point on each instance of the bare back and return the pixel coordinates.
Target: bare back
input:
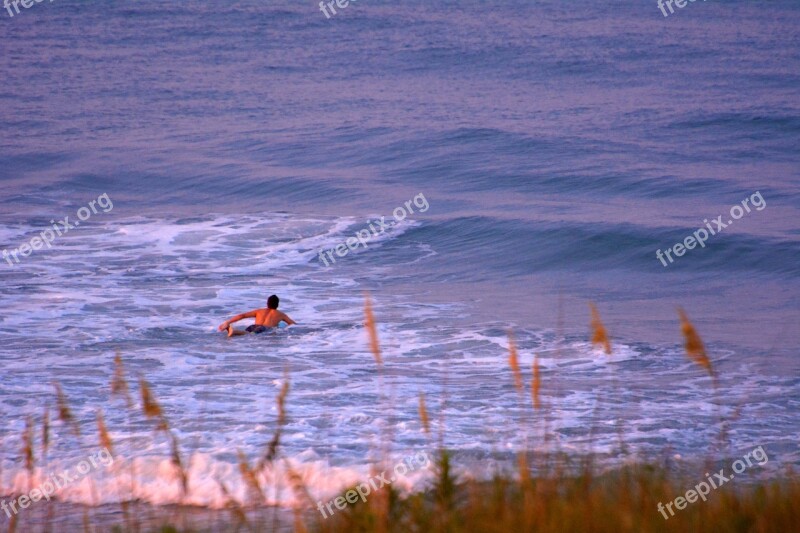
(270, 318)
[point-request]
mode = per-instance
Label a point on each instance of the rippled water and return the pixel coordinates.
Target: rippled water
(557, 147)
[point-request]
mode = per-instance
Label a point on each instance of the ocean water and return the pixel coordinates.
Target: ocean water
(551, 147)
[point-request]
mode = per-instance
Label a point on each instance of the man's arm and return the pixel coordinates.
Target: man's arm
(286, 319)
(249, 314)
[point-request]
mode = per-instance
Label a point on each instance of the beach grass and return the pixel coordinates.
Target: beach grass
(622, 500)
(539, 492)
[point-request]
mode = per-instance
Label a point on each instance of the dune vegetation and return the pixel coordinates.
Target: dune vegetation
(542, 492)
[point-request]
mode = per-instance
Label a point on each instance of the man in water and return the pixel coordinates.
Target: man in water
(265, 319)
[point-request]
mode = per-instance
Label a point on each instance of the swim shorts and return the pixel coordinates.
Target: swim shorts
(256, 329)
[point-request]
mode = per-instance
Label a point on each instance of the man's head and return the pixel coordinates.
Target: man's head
(273, 301)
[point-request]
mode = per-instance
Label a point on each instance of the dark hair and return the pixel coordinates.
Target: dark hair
(273, 301)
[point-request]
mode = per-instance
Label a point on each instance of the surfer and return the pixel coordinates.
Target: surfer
(265, 319)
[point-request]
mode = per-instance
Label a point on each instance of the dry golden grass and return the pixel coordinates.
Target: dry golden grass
(102, 433)
(694, 347)
(599, 334)
(556, 496)
(272, 449)
(177, 463)
(557, 499)
(250, 476)
(513, 362)
(45, 431)
(150, 406)
(282, 400)
(119, 385)
(536, 384)
(423, 414)
(27, 446)
(64, 412)
(372, 330)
